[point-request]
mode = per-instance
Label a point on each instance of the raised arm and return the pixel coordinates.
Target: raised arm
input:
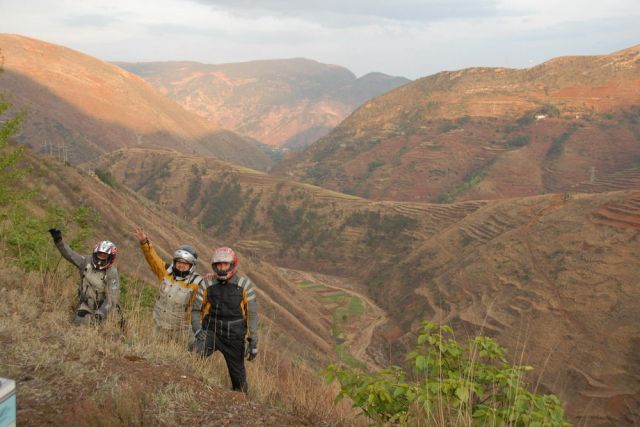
(157, 265)
(67, 253)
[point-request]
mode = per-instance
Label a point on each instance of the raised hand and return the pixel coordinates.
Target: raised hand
(140, 234)
(56, 234)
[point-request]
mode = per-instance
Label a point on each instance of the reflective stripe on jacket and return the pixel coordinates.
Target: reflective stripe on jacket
(228, 302)
(173, 303)
(98, 290)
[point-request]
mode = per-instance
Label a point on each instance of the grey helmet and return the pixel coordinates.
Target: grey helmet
(184, 253)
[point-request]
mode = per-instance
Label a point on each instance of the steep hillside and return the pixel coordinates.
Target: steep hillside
(487, 133)
(118, 211)
(80, 107)
(132, 371)
(552, 276)
(283, 103)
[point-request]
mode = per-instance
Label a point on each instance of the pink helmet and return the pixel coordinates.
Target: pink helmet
(224, 254)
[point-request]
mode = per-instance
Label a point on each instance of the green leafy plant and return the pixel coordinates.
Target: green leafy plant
(449, 384)
(518, 141)
(24, 233)
(10, 155)
(106, 177)
(375, 164)
(136, 294)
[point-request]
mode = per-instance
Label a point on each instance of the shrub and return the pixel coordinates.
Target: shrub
(550, 110)
(106, 177)
(518, 141)
(461, 121)
(223, 202)
(375, 164)
(10, 156)
(447, 126)
(557, 146)
(450, 382)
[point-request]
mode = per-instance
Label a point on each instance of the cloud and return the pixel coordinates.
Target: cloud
(412, 38)
(359, 12)
(90, 20)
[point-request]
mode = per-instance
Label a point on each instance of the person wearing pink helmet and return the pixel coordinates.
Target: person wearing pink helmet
(224, 315)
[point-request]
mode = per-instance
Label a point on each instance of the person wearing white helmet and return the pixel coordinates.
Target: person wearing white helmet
(178, 284)
(99, 288)
(225, 317)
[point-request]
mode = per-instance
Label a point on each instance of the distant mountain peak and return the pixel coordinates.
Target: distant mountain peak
(280, 102)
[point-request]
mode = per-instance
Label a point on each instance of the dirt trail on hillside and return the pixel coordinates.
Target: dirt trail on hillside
(372, 318)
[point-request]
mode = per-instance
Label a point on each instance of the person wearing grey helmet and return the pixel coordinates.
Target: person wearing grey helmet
(178, 285)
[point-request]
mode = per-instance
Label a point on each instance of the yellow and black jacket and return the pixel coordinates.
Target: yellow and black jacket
(172, 309)
(222, 306)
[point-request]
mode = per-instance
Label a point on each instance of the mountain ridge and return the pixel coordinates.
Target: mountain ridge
(90, 107)
(280, 102)
(460, 135)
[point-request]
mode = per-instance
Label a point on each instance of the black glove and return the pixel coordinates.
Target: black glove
(252, 349)
(56, 234)
(200, 334)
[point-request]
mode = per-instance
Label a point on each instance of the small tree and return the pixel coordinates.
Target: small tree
(451, 384)
(9, 155)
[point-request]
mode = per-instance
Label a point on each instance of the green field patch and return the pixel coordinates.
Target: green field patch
(341, 299)
(332, 293)
(312, 286)
(355, 306)
(344, 307)
(343, 314)
(348, 358)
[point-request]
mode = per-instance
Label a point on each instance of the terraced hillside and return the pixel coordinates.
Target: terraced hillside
(299, 224)
(551, 276)
(486, 133)
(621, 214)
(80, 107)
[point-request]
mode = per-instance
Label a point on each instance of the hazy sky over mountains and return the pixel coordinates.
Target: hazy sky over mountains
(411, 38)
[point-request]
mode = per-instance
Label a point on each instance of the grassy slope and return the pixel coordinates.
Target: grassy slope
(523, 269)
(135, 377)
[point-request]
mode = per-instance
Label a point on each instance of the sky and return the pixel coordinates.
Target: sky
(410, 38)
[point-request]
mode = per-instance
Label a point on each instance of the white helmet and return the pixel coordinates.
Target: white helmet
(104, 247)
(184, 253)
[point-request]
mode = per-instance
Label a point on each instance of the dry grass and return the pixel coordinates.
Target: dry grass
(107, 376)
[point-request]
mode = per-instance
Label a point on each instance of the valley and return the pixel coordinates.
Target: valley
(498, 201)
(286, 103)
(355, 316)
